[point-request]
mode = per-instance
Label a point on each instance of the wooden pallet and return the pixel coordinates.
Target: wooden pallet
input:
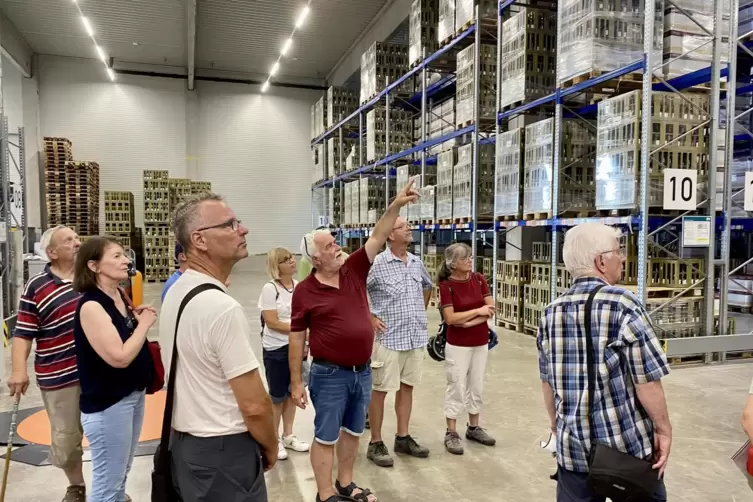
(536, 216)
(632, 80)
(687, 360)
(466, 219)
(606, 213)
(427, 222)
(512, 105)
(507, 218)
(739, 309)
(507, 325)
(446, 221)
(530, 330)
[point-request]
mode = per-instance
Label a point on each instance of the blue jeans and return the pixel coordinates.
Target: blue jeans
(341, 399)
(573, 487)
(113, 435)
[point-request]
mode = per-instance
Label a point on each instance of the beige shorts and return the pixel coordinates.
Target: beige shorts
(66, 433)
(390, 367)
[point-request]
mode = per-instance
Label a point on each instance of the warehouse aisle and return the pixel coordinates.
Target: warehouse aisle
(705, 405)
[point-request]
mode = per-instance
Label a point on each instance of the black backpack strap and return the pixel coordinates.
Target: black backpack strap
(590, 360)
(167, 419)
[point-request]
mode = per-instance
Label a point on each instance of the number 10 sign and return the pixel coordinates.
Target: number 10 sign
(680, 189)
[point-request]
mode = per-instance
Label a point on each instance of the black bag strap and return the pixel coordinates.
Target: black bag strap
(590, 361)
(167, 418)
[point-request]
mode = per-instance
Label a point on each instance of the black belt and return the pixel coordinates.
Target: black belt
(355, 369)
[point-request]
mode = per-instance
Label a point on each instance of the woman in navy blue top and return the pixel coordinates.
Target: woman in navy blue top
(114, 365)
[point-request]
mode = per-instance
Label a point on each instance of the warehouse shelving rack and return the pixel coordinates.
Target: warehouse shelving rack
(647, 225)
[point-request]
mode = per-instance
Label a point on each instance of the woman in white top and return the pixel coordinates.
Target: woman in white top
(275, 303)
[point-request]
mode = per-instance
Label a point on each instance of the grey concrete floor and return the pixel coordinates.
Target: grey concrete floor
(705, 404)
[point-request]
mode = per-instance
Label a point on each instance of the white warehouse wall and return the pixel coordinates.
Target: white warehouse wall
(253, 147)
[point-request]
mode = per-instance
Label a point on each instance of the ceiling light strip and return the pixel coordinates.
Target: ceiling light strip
(90, 33)
(300, 20)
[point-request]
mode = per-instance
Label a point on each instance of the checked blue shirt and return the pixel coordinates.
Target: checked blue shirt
(396, 292)
(627, 353)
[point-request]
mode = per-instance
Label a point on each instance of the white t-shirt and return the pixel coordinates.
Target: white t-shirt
(283, 304)
(214, 346)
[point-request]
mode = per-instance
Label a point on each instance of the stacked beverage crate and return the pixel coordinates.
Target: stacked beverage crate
(381, 64)
(529, 56)
(597, 37)
(445, 165)
(537, 167)
(422, 30)
(432, 261)
(466, 81)
(353, 160)
(512, 277)
(334, 164)
(508, 201)
(376, 132)
(428, 204)
(347, 218)
(318, 117)
(577, 167)
(441, 122)
(681, 35)
(372, 200)
(120, 221)
(180, 189)
(462, 184)
(200, 187)
(334, 209)
(158, 248)
(446, 21)
(618, 145)
(57, 153)
(412, 212)
(355, 205)
(537, 293)
(341, 102)
(465, 14)
(320, 164)
(82, 192)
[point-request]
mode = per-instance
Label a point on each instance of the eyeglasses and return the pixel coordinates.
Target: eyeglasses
(288, 260)
(621, 252)
(233, 224)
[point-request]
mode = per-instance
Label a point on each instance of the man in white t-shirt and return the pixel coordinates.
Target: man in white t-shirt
(223, 437)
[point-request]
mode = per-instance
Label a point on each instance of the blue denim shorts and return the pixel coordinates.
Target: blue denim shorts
(341, 399)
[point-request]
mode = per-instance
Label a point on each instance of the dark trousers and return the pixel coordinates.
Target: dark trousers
(217, 468)
(573, 487)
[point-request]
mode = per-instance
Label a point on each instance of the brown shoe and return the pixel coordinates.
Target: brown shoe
(128, 498)
(75, 494)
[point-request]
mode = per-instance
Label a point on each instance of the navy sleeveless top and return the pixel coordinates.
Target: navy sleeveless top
(101, 384)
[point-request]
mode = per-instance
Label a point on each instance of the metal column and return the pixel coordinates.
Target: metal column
(5, 213)
(386, 147)
(361, 162)
(424, 127)
(341, 187)
(476, 134)
(497, 100)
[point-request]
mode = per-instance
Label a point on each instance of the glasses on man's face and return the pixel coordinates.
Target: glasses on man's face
(233, 224)
(621, 252)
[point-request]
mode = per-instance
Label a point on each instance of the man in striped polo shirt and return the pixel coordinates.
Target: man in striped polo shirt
(45, 316)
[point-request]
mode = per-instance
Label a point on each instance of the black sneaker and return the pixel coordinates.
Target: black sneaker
(379, 454)
(409, 446)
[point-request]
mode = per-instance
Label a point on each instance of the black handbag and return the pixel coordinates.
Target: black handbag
(614, 474)
(163, 489)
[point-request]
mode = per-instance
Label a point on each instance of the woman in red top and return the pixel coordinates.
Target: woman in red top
(466, 305)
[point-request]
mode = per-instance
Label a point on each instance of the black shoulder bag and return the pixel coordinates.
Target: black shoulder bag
(162, 479)
(614, 474)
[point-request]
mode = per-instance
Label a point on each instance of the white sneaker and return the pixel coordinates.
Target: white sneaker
(293, 443)
(282, 454)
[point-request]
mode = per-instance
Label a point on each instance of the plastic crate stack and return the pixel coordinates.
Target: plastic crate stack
(372, 199)
(376, 137)
(180, 189)
(334, 209)
(412, 212)
(618, 146)
(537, 168)
(537, 293)
(529, 56)
(445, 165)
(350, 209)
(353, 159)
(422, 30)
(597, 37)
(320, 164)
(577, 174)
(466, 78)
(334, 165)
(200, 187)
(383, 63)
(465, 14)
(82, 191)
(508, 201)
(428, 203)
(341, 102)
(57, 154)
(433, 259)
(318, 117)
(682, 35)
(462, 184)
(441, 120)
(512, 277)
(446, 21)
(120, 221)
(159, 249)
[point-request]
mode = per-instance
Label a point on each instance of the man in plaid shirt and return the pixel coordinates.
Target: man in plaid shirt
(399, 289)
(629, 408)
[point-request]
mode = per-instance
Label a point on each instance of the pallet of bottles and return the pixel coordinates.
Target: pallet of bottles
(353, 158)
(428, 204)
(432, 262)
(179, 189)
(382, 63)
(529, 56)
(341, 102)
(200, 187)
(462, 183)
(371, 194)
(466, 83)
(376, 132)
(598, 37)
(334, 208)
(456, 16)
(440, 121)
(318, 117)
(157, 236)
(347, 209)
(320, 164)
(156, 196)
(618, 145)
(422, 30)
(577, 175)
(412, 212)
(335, 158)
(508, 200)
(445, 165)
(119, 212)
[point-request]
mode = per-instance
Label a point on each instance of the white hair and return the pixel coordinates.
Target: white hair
(46, 241)
(584, 243)
(308, 248)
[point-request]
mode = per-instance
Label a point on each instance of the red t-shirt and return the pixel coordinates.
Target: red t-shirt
(338, 320)
(463, 296)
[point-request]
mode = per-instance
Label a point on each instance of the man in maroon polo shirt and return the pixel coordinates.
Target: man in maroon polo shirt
(333, 305)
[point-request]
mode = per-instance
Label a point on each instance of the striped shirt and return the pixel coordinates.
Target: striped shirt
(396, 291)
(45, 315)
(627, 353)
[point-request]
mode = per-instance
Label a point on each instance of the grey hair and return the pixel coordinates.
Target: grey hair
(186, 215)
(584, 243)
(453, 253)
(308, 248)
(45, 242)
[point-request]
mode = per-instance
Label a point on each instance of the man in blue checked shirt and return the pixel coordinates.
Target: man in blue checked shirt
(629, 408)
(399, 289)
